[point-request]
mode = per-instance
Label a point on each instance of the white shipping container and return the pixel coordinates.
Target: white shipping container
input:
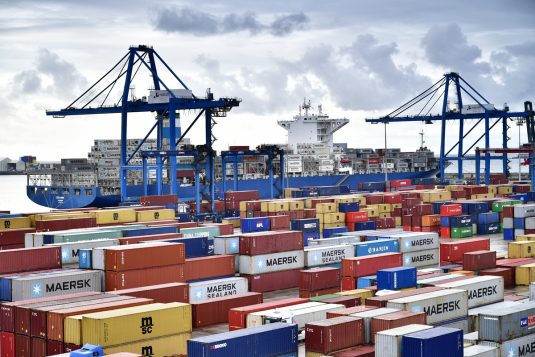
(218, 288)
(294, 163)
(422, 258)
(294, 157)
(482, 290)
(460, 323)
(302, 316)
(416, 241)
(443, 305)
(531, 291)
(519, 347)
(323, 255)
(388, 342)
(268, 263)
(508, 223)
(367, 317)
(294, 169)
(69, 250)
(481, 351)
(226, 244)
(257, 318)
(529, 223)
(326, 168)
(335, 241)
(522, 211)
(470, 338)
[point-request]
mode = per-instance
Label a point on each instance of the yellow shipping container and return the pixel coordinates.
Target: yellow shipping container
(343, 199)
(361, 200)
(156, 347)
(359, 293)
(72, 329)
(109, 216)
(297, 205)
(482, 196)
(505, 190)
(288, 192)
(384, 215)
(155, 215)
(313, 354)
(122, 326)
(278, 206)
(396, 205)
(525, 237)
(525, 274)
(320, 217)
(525, 249)
(326, 208)
(15, 223)
(372, 210)
(398, 221)
(264, 206)
(492, 189)
(385, 208)
(235, 222)
(436, 196)
(338, 217)
(333, 225)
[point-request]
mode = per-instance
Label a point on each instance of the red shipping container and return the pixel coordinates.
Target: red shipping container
(349, 311)
(22, 345)
(423, 209)
(385, 223)
(143, 277)
(406, 220)
(360, 351)
(53, 347)
(270, 242)
(453, 251)
(435, 229)
(368, 265)
(319, 278)
(396, 319)
(279, 223)
(347, 301)
(69, 347)
(28, 259)
(7, 344)
(380, 301)
(216, 311)
(65, 224)
(508, 212)
(308, 294)
(348, 283)
(237, 316)
(456, 194)
(374, 199)
(445, 232)
(250, 195)
(451, 210)
(224, 228)
(209, 267)
(310, 213)
(14, 236)
(158, 200)
(315, 201)
(334, 334)
(297, 215)
(353, 217)
(508, 275)
(400, 183)
(478, 260)
(397, 212)
(162, 293)
(410, 202)
(392, 198)
(278, 280)
(38, 347)
(138, 239)
(475, 190)
(140, 256)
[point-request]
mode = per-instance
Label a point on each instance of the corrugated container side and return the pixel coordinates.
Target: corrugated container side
(396, 319)
(217, 288)
(506, 324)
(439, 342)
(278, 280)
(334, 334)
(267, 263)
(164, 293)
(522, 346)
(216, 311)
(164, 346)
(144, 256)
(209, 267)
(28, 259)
(388, 342)
(482, 290)
(143, 277)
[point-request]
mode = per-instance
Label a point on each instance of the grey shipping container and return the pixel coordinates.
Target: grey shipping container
(507, 324)
(69, 250)
(473, 314)
(62, 283)
(518, 347)
(388, 342)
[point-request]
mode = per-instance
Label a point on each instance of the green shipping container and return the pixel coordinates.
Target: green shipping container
(498, 206)
(461, 232)
(323, 297)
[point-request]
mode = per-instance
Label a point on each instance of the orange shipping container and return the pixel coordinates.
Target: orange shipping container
(143, 277)
(210, 267)
(431, 220)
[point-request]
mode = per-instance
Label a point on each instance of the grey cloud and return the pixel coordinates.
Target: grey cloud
(191, 21)
(27, 82)
(526, 49)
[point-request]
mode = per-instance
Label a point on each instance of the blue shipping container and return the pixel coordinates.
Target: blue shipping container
(436, 342)
(256, 224)
(475, 218)
(508, 234)
(150, 231)
(396, 278)
(437, 205)
(310, 236)
(372, 186)
(460, 221)
(531, 196)
(445, 222)
(330, 232)
(307, 225)
(267, 340)
(366, 281)
(518, 223)
(364, 226)
(349, 207)
(378, 246)
(477, 207)
(85, 259)
(195, 246)
(491, 228)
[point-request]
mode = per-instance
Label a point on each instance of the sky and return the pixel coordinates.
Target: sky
(358, 59)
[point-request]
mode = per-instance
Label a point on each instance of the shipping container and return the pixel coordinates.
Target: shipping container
(439, 342)
(453, 251)
(174, 345)
(482, 290)
(381, 301)
(142, 277)
(237, 316)
(140, 256)
(422, 258)
(278, 339)
(522, 346)
(209, 267)
(270, 242)
(70, 250)
(479, 260)
(257, 318)
(364, 266)
(163, 293)
(267, 263)
(319, 278)
(442, 305)
(28, 259)
(326, 336)
(396, 278)
(473, 314)
(325, 255)
(525, 274)
(301, 316)
(218, 288)
(388, 342)
(227, 244)
(216, 311)
(349, 311)
(507, 323)
(395, 319)
(367, 317)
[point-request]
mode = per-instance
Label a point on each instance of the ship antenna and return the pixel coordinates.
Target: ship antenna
(320, 112)
(422, 141)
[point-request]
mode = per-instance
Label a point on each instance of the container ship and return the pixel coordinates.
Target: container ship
(312, 158)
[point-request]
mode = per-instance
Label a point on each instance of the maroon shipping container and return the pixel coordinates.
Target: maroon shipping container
(14, 236)
(478, 260)
(380, 301)
(53, 347)
(209, 267)
(251, 195)
(143, 277)
(7, 344)
(55, 318)
(216, 311)
(308, 294)
(347, 301)
(368, 265)
(158, 200)
(396, 319)
(38, 347)
(64, 224)
(374, 199)
(513, 262)
(224, 228)
(69, 347)
(138, 239)
(11, 246)
(334, 334)
(360, 351)
(270, 242)
(453, 251)
(28, 259)
(423, 209)
(132, 257)
(319, 278)
(508, 275)
(237, 317)
(22, 345)
(349, 311)
(163, 293)
(279, 223)
(278, 280)
(445, 281)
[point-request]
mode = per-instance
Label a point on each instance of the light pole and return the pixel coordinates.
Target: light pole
(384, 158)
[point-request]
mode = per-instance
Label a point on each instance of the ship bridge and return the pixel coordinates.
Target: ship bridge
(311, 128)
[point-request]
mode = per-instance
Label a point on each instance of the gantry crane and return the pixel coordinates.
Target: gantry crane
(481, 111)
(96, 100)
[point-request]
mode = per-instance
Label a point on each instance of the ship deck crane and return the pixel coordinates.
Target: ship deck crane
(482, 112)
(96, 100)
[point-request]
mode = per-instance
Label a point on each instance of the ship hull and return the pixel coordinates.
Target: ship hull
(78, 197)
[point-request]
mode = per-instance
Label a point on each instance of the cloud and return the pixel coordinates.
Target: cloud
(195, 22)
(64, 78)
(526, 49)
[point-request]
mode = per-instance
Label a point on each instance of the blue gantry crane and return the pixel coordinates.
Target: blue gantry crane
(454, 108)
(166, 104)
